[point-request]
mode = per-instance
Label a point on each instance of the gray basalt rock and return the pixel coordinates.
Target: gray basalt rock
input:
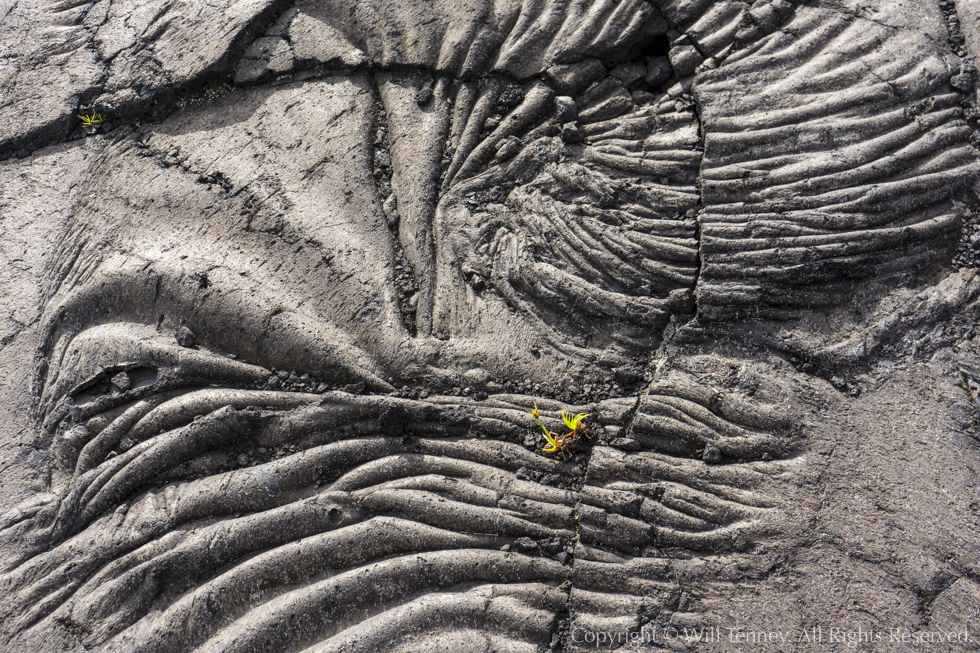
(266, 57)
(279, 339)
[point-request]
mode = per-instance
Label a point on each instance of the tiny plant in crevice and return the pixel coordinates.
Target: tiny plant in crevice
(91, 123)
(92, 120)
(562, 443)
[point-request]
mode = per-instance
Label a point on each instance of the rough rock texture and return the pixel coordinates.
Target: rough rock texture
(272, 332)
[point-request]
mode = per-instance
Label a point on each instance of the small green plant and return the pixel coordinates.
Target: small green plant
(91, 121)
(561, 443)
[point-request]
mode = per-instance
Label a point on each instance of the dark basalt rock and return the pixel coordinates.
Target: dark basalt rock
(185, 337)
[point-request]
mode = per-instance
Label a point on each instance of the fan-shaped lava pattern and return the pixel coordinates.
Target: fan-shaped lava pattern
(187, 514)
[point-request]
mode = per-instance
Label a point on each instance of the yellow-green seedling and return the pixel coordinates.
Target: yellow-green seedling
(563, 442)
(94, 119)
(573, 423)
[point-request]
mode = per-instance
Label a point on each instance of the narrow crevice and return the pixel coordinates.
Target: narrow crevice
(697, 46)
(563, 619)
(693, 320)
(679, 323)
(561, 625)
(403, 274)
